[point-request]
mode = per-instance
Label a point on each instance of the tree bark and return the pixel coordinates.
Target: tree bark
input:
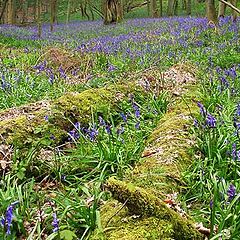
(112, 11)
(211, 12)
(189, 7)
(39, 20)
(160, 8)
(154, 12)
(170, 8)
(3, 10)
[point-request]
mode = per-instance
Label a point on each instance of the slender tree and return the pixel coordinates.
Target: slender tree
(189, 7)
(154, 12)
(170, 9)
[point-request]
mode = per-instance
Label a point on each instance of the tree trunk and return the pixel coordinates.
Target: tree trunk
(112, 11)
(222, 8)
(148, 7)
(39, 20)
(234, 3)
(160, 8)
(154, 12)
(68, 11)
(211, 12)
(170, 7)
(4, 9)
(175, 7)
(189, 7)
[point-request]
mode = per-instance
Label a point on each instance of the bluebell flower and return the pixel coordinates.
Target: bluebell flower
(238, 110)
(137, 125)
(202, 109)
(136, 109)
(120, 130)
(9, 217)
(92, 133)
(211, 203)
(111, 68)
(124, 117)
(195, 122)
(234, 151)
(73, 134)
(231, 192)
(55, 223)
(101, 121)
(108, 129)
(211, 121)
(2, 222)
(77, 125)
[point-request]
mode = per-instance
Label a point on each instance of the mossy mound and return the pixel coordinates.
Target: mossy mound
(157, 174)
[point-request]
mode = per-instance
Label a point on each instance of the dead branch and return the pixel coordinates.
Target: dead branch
(231, 6)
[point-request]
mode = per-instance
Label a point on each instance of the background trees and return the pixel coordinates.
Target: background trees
(27, 11)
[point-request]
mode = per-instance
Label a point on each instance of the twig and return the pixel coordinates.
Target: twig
(230, 5)
(116, 213)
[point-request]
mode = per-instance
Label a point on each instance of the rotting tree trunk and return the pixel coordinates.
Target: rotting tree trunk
(140, 202)
(154, 12)
(113, 12)
(211, 12)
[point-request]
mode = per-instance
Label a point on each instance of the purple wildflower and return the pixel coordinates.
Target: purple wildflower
(55, 223)
(101, 121)
(238, 109)
(111, 68)
(137, 125)
(211, 203)
(234, 151)
(77, 125)
(46, 118)
(211, 121)
(2, 222)
(73, 134)
(195, 122)
(124, 117)
(120, 130)
(108, 129)
(231, 192)
(9, 217)
(202, 109)
(92, 133)
(136, 109)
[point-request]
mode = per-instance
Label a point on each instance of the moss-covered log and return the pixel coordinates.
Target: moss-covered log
(158, 174)
(53, 123)
(141, 202)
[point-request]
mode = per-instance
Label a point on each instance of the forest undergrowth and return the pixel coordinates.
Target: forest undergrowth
(52, 187)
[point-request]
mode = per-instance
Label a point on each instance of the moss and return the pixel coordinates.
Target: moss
(63, 112)
(141, 202)
(155, 176)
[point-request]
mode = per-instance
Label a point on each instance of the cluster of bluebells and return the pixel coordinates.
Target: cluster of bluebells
(6, 221)
(209, 121)
(55, 222)
(92, 131)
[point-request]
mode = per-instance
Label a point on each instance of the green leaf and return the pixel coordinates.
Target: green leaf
(67, 235)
